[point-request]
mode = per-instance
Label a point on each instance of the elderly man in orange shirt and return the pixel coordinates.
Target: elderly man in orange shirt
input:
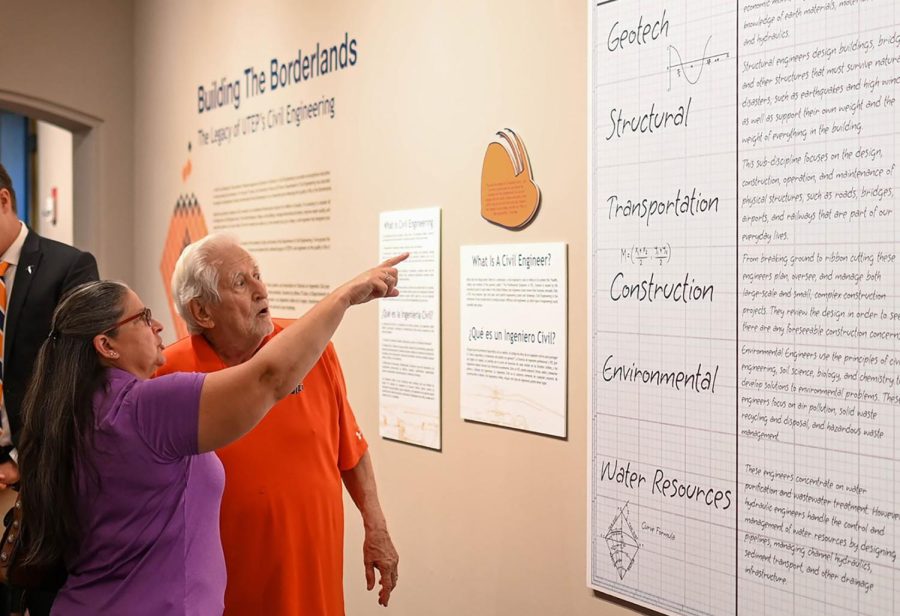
(282, 519)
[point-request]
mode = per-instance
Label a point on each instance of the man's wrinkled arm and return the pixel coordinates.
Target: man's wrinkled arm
(378, 549)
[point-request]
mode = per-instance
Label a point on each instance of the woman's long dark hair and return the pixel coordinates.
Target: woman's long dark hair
(58, 419)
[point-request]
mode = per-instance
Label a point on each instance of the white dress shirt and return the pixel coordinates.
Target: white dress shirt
(11, 256)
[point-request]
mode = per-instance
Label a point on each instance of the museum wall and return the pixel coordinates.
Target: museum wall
(495, 522)
(72, 64)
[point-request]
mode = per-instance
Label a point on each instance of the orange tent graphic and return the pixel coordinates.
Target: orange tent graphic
(187, 226)
(509, 196)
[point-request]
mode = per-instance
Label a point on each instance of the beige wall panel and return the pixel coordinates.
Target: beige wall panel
(71, 63)
(495, 523)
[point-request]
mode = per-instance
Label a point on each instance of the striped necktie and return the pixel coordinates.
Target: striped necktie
(3, 267)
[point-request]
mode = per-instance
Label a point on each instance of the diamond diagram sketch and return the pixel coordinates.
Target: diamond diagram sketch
(622, 541)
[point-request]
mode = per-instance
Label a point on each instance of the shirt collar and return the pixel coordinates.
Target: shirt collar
(207, 357)
(14, 251)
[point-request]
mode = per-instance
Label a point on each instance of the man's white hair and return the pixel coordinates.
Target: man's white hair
(196, 275)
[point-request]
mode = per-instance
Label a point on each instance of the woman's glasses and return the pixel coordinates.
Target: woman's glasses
(144, 314)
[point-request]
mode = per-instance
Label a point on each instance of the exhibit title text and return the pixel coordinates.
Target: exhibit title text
(278, 74)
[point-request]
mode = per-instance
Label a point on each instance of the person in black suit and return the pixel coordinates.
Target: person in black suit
(38, 274)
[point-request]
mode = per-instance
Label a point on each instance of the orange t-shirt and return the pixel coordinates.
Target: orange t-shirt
(282, 511)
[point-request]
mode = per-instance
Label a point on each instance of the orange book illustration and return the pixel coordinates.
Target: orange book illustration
(187, 225)
(509, 196)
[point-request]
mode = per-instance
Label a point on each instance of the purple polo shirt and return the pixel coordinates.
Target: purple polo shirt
(151, 525)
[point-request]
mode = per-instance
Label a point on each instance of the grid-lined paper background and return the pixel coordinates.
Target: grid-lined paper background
(685, 563)
(801, 146)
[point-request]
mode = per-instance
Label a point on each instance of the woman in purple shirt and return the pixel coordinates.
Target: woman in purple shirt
(118, 478)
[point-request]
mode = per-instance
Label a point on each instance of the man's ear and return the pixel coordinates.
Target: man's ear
(200, 314)
(6, 204)
(104, 346)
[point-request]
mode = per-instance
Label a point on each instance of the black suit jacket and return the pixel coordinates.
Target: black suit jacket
(46, 270)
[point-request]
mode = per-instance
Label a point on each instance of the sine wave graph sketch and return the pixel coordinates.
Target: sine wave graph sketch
(691, 70)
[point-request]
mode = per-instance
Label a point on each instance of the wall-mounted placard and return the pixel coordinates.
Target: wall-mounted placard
(509, 196)
(409, 341)
(513, 344)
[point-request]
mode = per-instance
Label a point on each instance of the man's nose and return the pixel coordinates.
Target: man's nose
(260, 291)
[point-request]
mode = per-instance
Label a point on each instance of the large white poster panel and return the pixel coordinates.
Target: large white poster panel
(744, 306)
(409, 342)
(663, 303)
(513, 336)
